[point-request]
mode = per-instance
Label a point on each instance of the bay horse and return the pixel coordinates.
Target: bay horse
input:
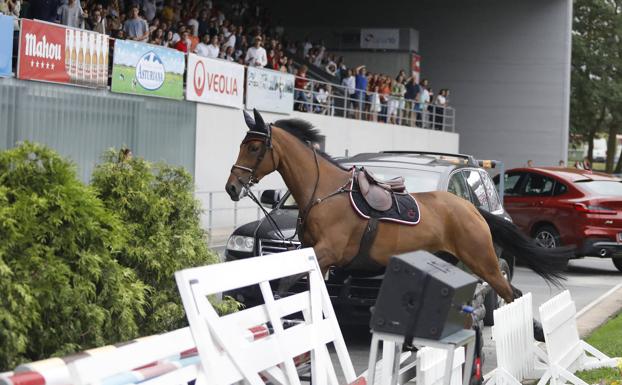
(328, 223)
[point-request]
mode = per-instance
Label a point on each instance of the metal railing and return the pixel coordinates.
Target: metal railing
(335, 100)
(220, 215)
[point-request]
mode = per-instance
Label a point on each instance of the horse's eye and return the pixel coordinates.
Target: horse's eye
(254, 148)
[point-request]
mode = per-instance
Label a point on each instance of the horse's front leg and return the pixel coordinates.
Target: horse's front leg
(329, 252)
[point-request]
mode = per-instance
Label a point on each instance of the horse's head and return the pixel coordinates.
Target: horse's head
(252, 163)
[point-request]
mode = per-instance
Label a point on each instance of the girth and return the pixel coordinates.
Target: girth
(361, 261)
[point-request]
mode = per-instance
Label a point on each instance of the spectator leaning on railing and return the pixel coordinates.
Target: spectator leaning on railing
(136, 28)
(256, 55)
(71, 14)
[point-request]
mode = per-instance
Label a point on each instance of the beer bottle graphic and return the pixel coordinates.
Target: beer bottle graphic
(104, 66)
(97, 53)
(87, 58)
(80, 67)
(68, 45)
(101, 76)
(73, 65)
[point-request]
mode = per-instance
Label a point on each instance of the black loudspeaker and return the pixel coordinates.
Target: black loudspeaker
(422, 296)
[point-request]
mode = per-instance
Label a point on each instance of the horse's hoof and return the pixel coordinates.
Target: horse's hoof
(538, 333)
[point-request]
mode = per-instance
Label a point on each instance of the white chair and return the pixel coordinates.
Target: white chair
(518, 355)
(566, 352)
(227, 358)
(431, 366)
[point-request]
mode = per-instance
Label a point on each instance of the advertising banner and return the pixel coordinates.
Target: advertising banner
(415, 67)
(214, 81)
(53, 53)
(268, 90)
(6, 45)
(145, 69)
(376, 38)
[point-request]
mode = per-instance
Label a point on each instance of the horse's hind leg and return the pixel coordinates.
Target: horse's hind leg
(478, 254)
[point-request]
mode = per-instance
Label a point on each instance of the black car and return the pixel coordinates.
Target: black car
(353, 295)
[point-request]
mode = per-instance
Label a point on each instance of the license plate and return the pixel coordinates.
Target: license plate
(619, 237)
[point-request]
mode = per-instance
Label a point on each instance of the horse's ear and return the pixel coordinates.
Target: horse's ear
(249, 120)
(259, 123)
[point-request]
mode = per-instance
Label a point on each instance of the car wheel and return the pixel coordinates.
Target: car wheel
(547, 236)
(617, 262)
(493, 301)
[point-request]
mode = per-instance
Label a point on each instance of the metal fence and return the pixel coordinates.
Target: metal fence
(334, 100)
(221, 215)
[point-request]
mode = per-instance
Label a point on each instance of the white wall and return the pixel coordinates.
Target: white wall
(220, 131)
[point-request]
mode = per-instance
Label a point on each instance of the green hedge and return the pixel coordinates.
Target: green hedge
(87, 265)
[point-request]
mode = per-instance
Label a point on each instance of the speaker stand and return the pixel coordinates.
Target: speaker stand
(392, 347)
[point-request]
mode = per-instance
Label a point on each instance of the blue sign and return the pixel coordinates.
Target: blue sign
(6, 45)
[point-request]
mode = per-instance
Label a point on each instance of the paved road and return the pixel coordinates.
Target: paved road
(588, 279)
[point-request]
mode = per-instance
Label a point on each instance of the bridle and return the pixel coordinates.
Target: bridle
(266, 139)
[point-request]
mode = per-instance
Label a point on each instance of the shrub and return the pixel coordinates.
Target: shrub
(61, 288)
(161, 218)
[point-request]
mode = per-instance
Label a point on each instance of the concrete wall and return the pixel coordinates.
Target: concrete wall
(220, 131)
(507, 63)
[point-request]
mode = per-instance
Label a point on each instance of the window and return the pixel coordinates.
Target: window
(491, 192)
(602, 187)
(560, 188)
(539, 185)
(478, 191)
(457, 186)
(510, 183)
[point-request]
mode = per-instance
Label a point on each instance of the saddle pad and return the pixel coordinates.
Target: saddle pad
(406, 212)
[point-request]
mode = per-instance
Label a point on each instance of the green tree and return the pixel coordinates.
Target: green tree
(596, 93)
(61, 288)
(161, 219)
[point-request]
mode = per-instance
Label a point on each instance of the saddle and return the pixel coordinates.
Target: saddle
(378, 193)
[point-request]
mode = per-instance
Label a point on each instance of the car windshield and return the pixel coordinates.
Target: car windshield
(415, 180)
(603, 187)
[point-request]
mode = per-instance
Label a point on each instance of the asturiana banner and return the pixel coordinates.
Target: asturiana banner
(214, 81)
(6, 45)
(268, 90)
(146, 69)
(53, 53)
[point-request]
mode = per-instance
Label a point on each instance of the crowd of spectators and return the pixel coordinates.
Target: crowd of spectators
(243, 31)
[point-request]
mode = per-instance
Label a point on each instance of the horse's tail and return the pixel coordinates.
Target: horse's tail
(545, 262)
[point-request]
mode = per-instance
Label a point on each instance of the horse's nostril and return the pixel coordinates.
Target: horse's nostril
(231, 189)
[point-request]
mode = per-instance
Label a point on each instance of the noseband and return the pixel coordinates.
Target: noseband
(266, 139)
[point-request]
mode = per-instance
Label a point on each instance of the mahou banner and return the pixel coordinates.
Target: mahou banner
(52, 53)
(214, 81)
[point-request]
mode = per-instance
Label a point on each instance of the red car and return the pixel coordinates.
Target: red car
(563, 206)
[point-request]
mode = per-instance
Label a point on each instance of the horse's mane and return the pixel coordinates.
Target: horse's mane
(306, 133)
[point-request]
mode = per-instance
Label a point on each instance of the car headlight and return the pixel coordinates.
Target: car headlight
(240, 243)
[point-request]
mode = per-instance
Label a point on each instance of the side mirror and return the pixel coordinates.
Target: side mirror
(270, 198)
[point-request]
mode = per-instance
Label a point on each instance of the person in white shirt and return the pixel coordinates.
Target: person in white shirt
(202, 48)
(214, 48)
(230, 39)
(349, 82)
(256, 55)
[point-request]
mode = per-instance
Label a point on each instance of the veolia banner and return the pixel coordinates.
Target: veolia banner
(214, 81)
(146, 69)
(268, 90)
(6, 45)
(53, 53)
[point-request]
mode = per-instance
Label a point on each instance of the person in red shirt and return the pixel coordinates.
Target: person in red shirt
(183, 44)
